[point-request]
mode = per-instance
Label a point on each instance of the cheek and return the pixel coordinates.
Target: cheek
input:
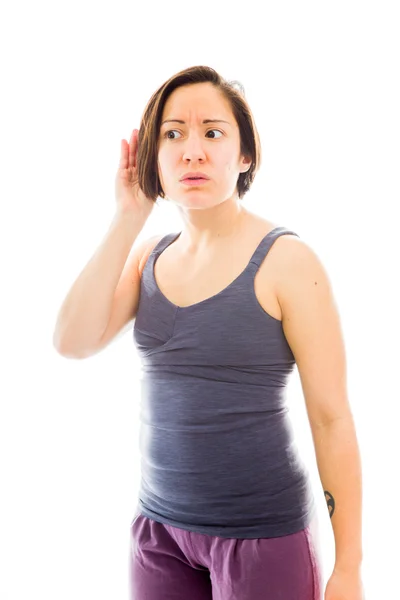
(228, 166)
(165, 161)
(225, 160)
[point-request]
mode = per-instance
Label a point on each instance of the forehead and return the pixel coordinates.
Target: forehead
(199, 100)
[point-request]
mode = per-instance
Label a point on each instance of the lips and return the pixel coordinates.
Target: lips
(194, 183)
(194, 175)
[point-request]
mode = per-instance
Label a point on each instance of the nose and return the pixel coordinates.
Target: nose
(193, 149)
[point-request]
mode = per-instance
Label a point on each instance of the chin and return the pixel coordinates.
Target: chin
(200, 203)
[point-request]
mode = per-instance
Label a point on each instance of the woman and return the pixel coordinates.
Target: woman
(225, 506)
(222, 312)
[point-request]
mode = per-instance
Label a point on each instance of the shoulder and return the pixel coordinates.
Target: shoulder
(298, 268)
(146, 247)
(288, 249)
(292, 252)
(285, 249)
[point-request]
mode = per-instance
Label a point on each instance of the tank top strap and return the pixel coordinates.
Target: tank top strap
(263, 247)
(164, 243)
(258, 256)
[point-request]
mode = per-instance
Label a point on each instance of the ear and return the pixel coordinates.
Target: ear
(246, 164)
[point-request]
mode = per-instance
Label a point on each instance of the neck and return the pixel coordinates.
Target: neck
(209, 228)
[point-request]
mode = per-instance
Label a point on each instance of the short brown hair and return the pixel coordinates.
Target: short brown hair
(148, 136)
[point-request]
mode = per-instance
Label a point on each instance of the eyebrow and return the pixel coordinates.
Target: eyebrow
(204, 122)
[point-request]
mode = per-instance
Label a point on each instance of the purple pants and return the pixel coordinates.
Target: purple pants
(169, 563)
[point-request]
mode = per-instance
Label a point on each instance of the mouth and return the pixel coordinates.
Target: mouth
(194, 180)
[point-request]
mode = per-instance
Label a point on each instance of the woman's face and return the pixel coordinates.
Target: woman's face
(212, 148)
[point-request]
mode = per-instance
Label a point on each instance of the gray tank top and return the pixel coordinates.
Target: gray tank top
(218, 454)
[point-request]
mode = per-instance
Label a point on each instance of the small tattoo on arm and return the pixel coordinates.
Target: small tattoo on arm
(331, 503)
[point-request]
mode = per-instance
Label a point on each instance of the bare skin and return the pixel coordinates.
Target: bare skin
(186, 280)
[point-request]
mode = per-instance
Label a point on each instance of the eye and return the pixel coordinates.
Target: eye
(172, 130)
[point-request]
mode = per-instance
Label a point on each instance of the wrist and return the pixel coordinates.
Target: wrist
(353, 566)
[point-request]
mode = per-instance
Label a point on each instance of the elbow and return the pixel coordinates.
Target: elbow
(66, 353)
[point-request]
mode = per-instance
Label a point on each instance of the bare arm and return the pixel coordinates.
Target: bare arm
(86, 310)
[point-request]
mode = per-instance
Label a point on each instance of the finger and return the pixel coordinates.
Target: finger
(133, 148)
(123, 161)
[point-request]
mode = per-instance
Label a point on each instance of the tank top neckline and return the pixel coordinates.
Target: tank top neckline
(169, 239)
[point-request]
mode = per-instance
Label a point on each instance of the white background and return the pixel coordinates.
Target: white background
(323, 82)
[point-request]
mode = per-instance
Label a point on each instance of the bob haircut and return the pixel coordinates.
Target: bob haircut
(148, 137)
